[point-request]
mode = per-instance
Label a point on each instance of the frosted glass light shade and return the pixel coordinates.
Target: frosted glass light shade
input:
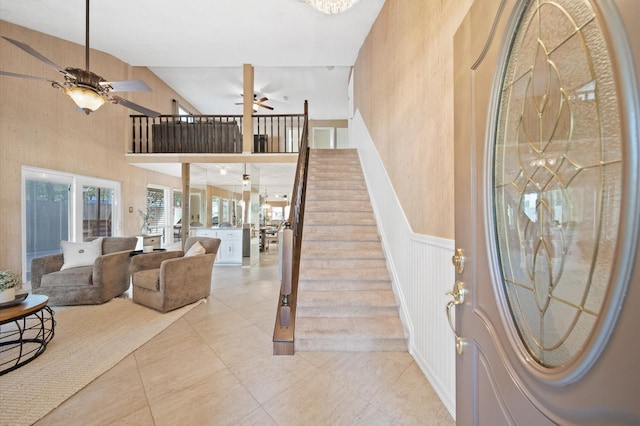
(332, 6)
(86, 99)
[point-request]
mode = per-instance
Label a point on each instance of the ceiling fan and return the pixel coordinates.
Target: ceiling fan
(258, 103)
(88, 90)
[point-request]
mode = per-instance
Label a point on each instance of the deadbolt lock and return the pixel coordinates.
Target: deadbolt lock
(458, 260)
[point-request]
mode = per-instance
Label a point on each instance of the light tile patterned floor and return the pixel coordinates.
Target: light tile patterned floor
(215, 366)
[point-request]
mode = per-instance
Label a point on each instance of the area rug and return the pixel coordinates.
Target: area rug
(88, 341)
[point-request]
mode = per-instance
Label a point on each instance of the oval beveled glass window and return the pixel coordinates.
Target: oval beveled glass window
(557, 177)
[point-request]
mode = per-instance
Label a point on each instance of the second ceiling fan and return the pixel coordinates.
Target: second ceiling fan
(258, 103)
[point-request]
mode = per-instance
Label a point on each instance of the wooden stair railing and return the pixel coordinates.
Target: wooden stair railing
(216, 134)
(284, 329)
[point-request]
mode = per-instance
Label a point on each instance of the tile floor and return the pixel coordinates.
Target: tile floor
(215, 366)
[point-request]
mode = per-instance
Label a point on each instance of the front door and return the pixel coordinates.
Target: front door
(547, 117)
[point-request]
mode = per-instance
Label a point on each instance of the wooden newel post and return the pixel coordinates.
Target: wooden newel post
(287, 260)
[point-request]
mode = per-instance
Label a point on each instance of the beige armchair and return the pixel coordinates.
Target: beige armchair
(97, 283)
(169, 280)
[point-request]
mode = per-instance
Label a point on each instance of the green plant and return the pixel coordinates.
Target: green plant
(9, 280)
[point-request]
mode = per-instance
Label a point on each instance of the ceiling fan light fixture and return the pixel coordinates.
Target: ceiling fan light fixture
(332, 6)
(85, 98)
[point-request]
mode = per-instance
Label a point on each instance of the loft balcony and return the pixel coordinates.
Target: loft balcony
(217, 134)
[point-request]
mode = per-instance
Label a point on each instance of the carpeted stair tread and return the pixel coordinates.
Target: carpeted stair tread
(350, 298)
(341, 250)
(331, 218)
(350, 334)
(340, 285)
(351, 176)
(335, 185)
(338, 194)
(347, 233)
(344, 273)
(338, 206)
(309, 263)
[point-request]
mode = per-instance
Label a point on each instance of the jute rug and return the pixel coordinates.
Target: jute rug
(88, 341)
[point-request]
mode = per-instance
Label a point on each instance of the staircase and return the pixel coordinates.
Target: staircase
(345, 301)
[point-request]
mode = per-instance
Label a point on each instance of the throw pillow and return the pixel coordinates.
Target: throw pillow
(195, 250)
(80, 254)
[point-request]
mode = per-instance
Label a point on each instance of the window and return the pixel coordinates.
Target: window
(97, 212)
(59, 206)
(156, 211)
(183, 111)
(177, 215)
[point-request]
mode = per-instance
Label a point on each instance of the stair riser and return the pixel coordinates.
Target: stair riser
(344, 264)
(344, 218)
(346, 312)
(335, 185)
(322, 162)
(337, 206)
(328, 153)
(337, 239)
(355, 175)
(365, 299)
(350, 345)
(368, 247)
(339, 229)
(353, 172)
(342, 285)
(344, 273)
(340, 254)
(337, 194)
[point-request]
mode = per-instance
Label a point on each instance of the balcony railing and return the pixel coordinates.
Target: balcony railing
(216, 134)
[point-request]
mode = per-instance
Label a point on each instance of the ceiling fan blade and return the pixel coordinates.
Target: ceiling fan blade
(127, 86)
(266, 106)
(37, 55)
(30, 77)
(146, 111)
(263, 100)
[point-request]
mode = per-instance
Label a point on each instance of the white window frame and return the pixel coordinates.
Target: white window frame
(76, 183)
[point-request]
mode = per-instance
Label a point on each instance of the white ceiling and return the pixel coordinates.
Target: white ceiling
(198, 48)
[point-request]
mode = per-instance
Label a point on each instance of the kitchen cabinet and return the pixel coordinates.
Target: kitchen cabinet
(230, 251)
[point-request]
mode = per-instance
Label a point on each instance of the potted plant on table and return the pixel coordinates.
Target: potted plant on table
(8, 283)
(147, 217)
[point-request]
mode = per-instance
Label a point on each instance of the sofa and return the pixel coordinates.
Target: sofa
(93, 272)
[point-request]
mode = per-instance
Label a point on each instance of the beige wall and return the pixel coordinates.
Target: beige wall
(403, 87)
(40, 127)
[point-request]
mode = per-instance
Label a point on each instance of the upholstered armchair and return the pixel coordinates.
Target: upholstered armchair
(85, 273)
(169, 280)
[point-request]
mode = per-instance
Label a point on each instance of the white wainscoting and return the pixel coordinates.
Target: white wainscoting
(421, 271)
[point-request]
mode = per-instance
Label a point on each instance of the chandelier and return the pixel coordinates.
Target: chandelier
(331, 6)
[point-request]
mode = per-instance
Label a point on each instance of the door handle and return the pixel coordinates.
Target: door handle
(458, 292)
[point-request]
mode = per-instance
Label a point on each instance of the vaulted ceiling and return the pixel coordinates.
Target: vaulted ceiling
(198, 48)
